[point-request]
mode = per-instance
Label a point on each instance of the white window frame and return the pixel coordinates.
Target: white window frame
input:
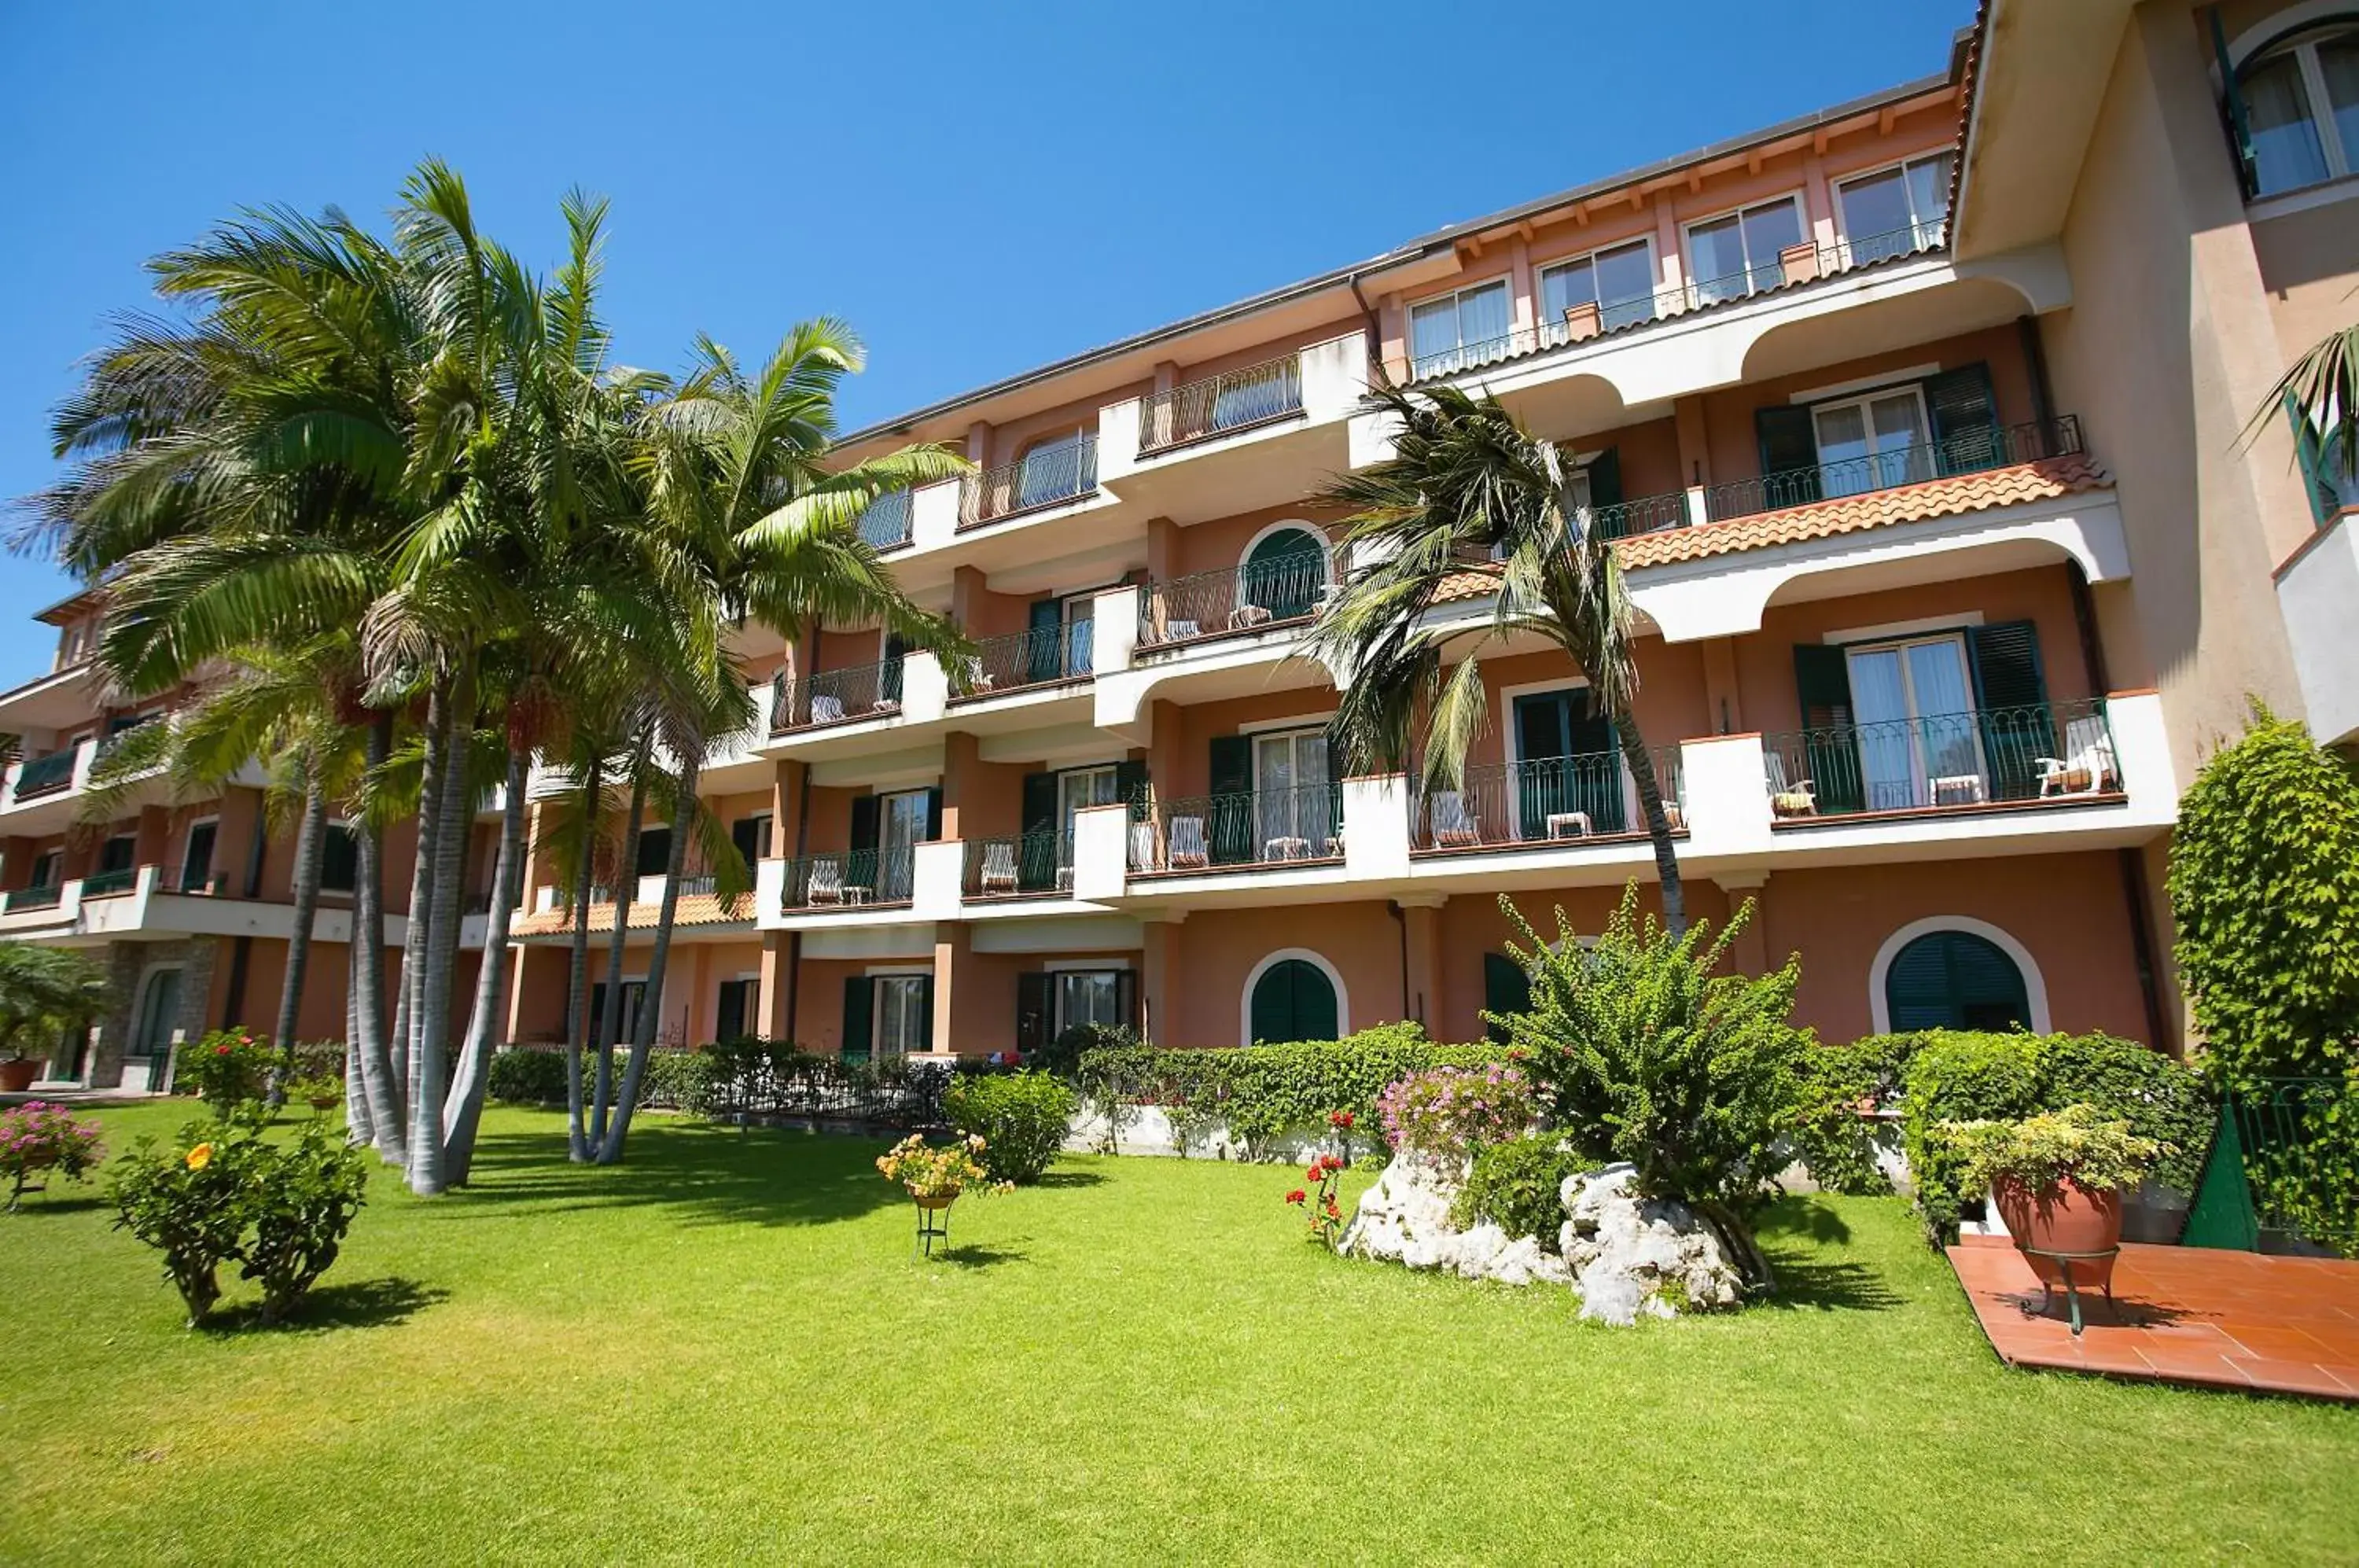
(1917, 222)
(189, 838)
(1920, 782)
(877, 1011)
(2302, 47)
(1752, 265)
(1058, 976)
(1408, 324)
(1865, 402)
(1591, 257)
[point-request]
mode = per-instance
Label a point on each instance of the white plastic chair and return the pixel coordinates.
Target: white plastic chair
(1188, 843)
(827, 710)
(1246, 616)
(999, 869)
(826, 882)
(2089, 751)
(1798, 800)
(1455, 827)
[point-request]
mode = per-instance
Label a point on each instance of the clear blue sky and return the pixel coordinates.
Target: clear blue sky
(977, 189)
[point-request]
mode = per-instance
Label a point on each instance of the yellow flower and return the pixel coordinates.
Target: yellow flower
(201, 1157)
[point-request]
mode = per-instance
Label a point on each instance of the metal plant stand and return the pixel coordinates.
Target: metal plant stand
(933, 1225)
(2064, 1261)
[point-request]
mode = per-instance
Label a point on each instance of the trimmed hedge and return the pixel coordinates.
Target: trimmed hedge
(675, 1079)
(1834, 1140)
(1963, 1077)
(1262, 1091)
(1020, 1116)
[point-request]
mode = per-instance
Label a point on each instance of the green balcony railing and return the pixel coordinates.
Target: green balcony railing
(2054, 752)
(43, 897)
(45, 774)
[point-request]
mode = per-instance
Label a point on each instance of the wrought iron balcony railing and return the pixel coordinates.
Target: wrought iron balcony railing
(885, 522)
(1041, 657)
(1247, 828)
(2054, 752)
(1543, 800)
(103, 884)
(1233, 400)
(1796, 264)
(43, 897)
(1008, 868)
(851, 878)
(1238, 598)
(1064, 471)
(45, 774)
(835, 697)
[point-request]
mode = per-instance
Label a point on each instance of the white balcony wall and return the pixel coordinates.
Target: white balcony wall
(934, 515)
(1117, 441)
(925, 689)
(1101, 852)
(1726, 784)
(1334, 376)
(934, 877)
(2318, 593)
(1375, 827)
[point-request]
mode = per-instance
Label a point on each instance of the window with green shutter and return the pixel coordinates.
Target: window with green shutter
(1955, 980)
(1506, 989)
(1294, 1000)
(1965, 419)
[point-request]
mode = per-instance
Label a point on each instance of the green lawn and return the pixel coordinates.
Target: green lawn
(725, 1351)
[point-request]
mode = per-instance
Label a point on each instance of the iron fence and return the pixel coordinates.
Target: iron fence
(835, 697)
(1062, 471)
(755, 1081)
(851, 878)
(1238, 598)
(884, 523)
(1040, 656)
(45, 774)
(1246, 828)
(103, 884)
(1993, 446)
(2047, 751)
(1217, 404)
(1541, 801)
(1017, 865)
(44, 896)
(1606, 317)
(2301, 1143)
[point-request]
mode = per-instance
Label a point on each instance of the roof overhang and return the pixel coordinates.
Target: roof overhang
(2040, 69)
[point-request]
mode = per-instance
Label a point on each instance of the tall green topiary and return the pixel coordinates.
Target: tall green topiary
(2265, 888)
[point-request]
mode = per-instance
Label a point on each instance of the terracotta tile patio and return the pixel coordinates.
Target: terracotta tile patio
(2181, 1314)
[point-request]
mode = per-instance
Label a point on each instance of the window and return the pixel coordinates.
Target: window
(45, 868)
(1567, 766)
(654, 852)
(735, 1009)
(1291, 1000)
(1896, 211)
(1620, 282)
(1506, 989)
(1088, 996)
(1081, 787)
(905, 1014)
(1283, 573)
(752, 836)
(1913, 703)
(160, 1015)
(1577, 482)
(635, 997)
(1468, 327)
(1737, 254)
(1957, 980)
(1057, 469)
(118, 854)
(2301, 109)
(339, 858)
(1296, 807)
(197, 857)
(1872, 443)
(903, 821)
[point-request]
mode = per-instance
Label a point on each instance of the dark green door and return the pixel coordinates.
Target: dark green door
(1045, 651)
(1954, 980)
(1284, 575)
(1565, 761)
(1506, 989)
(1294, 1000)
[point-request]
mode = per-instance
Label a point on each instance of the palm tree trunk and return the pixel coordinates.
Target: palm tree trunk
(1641, 763)
(298, 941)
(577, 981)
(643, 1038)
(431, 1035)
(360, 1126)
(407, 1011)
(464, 1110)
(379, 1082)
(610, 1022)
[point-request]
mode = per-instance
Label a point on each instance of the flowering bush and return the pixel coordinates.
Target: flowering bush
(36, 1136)
(1316, 1198)
(1449, 1111)
(231, 1070)
(303, 1199)
(944, 1172)
(1022, 1118)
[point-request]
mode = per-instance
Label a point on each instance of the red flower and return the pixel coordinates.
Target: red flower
(1339, 1118)
(1332, 1212)
(220, 1050)
(1298, 1195)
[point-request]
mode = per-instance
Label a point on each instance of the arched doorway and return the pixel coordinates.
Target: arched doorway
(1284, 573)
(1293, 999)
(1955, 979)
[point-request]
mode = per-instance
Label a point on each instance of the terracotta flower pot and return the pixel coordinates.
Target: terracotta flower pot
(17, 1074)
(2067, 1217)
(935, 1200)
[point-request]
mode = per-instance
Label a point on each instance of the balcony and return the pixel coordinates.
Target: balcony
(47, 775)
(1796, 265)
(106, 884)
(1258, 596)
(45, 897)
(1239, 832)
(1554, 800)
(2318, 593)
(1232, 401)
(1049, 477)
(1017, 867)
(2055, 753)
(836, 697)
(1045, 656)
(887, 523)
(848, 880)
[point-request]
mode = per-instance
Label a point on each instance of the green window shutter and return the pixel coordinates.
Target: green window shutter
(2011, 694)
(1954, 980)
(1046, 649)
(859, 1015)
(2309, 451)
(1125, 1000)
(1965, 419)
(1228, 825)
(1032, 1016)
(1917, 986)
(926, 1013)
(1789, 459)
(1605, 478)
(934, 814)
(1292, 1001)
(729, 1017)
(1506, 989)
(2239, 122)
(860, 866)
(1130, 788)
(1830, 755)
(888, 682)
(1036, 853)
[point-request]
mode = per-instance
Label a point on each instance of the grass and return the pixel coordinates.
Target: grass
(724, 1350)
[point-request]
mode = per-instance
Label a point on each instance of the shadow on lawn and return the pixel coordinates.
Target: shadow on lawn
(1795, 1234)
(700, 1173)
(367, 1303)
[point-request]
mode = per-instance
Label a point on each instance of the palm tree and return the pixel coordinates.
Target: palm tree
(2320, 389)
(1467, 485)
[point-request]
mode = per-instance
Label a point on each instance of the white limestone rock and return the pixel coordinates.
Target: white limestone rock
(1630, 1255)
(1404, 1218)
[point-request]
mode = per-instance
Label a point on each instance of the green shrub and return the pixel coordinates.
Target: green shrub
(1261, 1092)
(303, 1198)
(1514, 1185)
(1642, 1053)
(675, 1079)
(528, 1076)
(2075, 1144)
(190, 1202)
(2265, 890)
(230, 1070)
(1961, 1076)
(1831, 1138)
(1062, 1057)
(1022, 1119)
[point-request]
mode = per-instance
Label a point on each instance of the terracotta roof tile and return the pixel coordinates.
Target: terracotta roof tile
(695, 909)
(1474, 583)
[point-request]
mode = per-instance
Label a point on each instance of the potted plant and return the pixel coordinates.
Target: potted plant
(2056, 1180)
(45, 992)
(935, 1177)
(36, 1136)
